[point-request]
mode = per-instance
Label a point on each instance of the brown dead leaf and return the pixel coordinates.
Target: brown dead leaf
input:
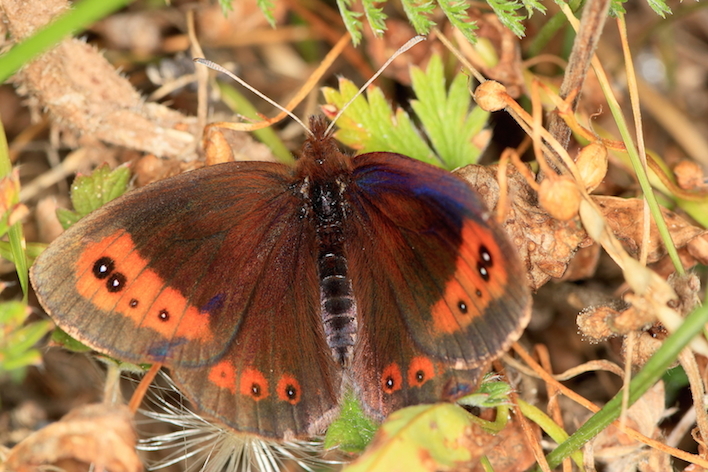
(511, 452)
(545, 244)
(624, 216)
(621, 453)
(96, 436)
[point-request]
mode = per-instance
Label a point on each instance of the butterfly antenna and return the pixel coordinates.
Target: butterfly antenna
(409, 44)
(218, 68)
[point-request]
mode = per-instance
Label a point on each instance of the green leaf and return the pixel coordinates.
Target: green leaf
(351, 20)
(418, 13)
(267, 8)
(375, 16)
(61, 338)
(506, 11)
(491, 394)
(371, 125)
(67, 218)
(226, 6)
(24, 338)
(456, 12)
(441, 433)
(90, 192)
(448, 118)
(352, 430)
(660, 7)
(17, 339)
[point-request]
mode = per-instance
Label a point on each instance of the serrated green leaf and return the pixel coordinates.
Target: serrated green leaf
(90, 192)
(456, 12)
(507, 12)
(448, 118)
(24, 338)
(352, 430)
(369, 124)
(418, 13)
(13, 314)
(439, 433)
(226, 6)
(24, 359)
(67, 217)
(490, 394)
(61, 338)
(351, 20)
(660, 7)
(375, 16)
(267, 7)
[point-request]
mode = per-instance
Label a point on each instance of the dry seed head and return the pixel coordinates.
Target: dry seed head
(560, 197)
(491, 96)
(592, 164)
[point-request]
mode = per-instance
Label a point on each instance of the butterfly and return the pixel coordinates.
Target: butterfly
(270, 290)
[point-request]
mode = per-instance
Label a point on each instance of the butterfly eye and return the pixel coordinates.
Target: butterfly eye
(103, 267)
(116, 282)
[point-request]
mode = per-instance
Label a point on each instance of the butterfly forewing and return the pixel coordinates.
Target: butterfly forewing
(209, 273)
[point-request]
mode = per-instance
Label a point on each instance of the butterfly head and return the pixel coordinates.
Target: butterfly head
(320, 156)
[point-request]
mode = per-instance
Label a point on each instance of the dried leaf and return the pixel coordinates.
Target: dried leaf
(99, 435)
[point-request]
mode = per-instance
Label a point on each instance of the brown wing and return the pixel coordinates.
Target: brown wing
(212, 273)
(440, 290)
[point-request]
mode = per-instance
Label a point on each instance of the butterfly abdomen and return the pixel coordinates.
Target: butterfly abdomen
(338, 306)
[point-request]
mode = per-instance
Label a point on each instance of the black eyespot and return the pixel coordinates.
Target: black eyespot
(390, 383)
(116, 282)
(133, 303)
(478, 293)
(462, 307)
(483, 272)
(420, 376)
(103, 267)
(255, 390)
(290, 392)
(164, 315)
(485, 256)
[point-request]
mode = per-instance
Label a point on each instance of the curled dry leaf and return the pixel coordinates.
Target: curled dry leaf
(511, 453)
(624, 216)
(621, 453)
(545, 244)
(99, 435)
(689, 175)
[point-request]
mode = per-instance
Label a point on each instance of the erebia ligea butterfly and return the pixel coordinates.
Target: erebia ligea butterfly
(268, 290)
